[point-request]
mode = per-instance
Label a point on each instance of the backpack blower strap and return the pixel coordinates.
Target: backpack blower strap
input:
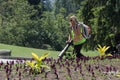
(86, 30)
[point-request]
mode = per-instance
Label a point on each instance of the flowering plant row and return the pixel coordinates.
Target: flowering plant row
(84, 68)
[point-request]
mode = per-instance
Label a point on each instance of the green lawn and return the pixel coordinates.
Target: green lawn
(90, 53)
(18, 51)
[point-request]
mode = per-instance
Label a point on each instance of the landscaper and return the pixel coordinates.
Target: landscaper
(76, 36)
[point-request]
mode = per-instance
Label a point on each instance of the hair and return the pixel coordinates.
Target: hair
(75, 21)
(74, 18)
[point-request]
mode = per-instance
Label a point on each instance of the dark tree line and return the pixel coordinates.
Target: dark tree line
(44, 23)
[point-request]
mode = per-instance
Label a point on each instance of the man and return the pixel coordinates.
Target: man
(76, 35)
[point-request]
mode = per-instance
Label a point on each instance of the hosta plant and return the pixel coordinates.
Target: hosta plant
(37, 63)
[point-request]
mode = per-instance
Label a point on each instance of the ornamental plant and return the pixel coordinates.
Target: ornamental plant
(102, 50)
(84, 68)
(37, 63)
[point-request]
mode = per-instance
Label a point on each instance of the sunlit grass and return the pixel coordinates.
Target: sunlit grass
(90, 53)
(18, 51)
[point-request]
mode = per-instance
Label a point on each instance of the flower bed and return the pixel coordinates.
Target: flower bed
(85, 68)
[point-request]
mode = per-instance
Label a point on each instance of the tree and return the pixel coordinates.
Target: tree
(103, 18)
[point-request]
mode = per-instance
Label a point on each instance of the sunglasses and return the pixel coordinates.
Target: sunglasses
(71, 20)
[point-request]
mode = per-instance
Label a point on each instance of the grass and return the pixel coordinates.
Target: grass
(18, 51)
(90, 53)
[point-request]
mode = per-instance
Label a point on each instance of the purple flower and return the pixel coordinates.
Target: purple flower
(1, 63)
(19, 74)
(46, 73)
(114, 69)
(17, 68)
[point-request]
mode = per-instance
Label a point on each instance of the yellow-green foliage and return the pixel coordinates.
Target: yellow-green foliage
(38, 63)
(102, 50)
